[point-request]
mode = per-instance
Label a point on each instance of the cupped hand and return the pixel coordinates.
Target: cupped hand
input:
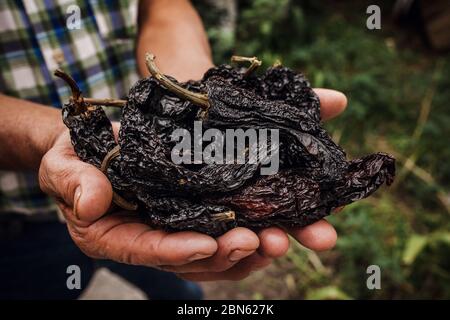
(84, 195)
(274, 242)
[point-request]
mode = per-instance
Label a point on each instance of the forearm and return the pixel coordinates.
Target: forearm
(173, 31)
(27, 131)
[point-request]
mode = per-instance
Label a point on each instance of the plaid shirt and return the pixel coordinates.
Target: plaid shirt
(35, 40)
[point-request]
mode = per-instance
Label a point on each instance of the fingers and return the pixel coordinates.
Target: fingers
(78, 184)
(274, 242)
(332, 102)
(233, 246)
(122, 237)
(158, 248)
(318, 236)
(236, 273)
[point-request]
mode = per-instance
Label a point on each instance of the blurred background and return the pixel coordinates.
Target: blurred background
(397, 80)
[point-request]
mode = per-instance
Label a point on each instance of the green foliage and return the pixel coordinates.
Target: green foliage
(398, 103)
(327, 293)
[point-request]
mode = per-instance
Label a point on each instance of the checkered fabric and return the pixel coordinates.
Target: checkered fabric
(35, 40)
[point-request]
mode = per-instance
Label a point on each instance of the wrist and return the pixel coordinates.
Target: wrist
(175, 35)
(45, 142)
(27, 131)
(182, 58)
(44, 137)
(42, 126)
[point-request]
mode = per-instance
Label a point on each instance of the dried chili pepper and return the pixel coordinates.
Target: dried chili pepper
(314, 176)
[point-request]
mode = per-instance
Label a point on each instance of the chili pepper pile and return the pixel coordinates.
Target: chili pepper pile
(314, 177)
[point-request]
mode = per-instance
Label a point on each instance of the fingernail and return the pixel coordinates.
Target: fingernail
(198, 256)
(238, 254)
(76, 199)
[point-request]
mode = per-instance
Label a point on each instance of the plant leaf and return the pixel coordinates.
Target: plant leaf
(416, 243)
(327, 293)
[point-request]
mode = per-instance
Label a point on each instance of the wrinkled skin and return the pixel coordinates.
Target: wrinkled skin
(314, 176)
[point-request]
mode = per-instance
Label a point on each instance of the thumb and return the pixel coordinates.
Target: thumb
(79, 185)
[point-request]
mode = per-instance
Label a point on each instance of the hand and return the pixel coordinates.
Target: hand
(84, 194)
(274, 242)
